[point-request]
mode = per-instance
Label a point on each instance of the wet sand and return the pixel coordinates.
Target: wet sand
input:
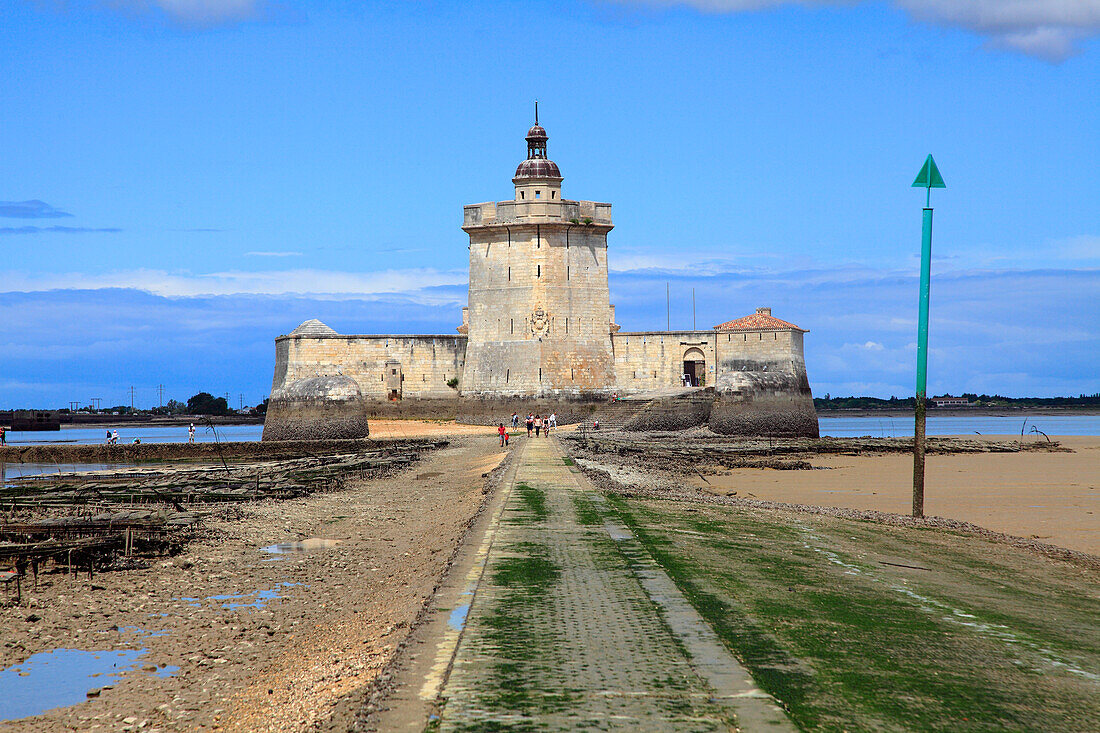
(264, 664)
(381, 429)
(1052, 497)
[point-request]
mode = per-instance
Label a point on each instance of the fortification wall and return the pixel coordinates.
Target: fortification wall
(647, 360)
(415, 366)
(763, 389)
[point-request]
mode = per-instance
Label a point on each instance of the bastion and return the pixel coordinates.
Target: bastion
(538, 334)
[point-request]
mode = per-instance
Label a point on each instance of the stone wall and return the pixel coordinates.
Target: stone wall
(423, 364)
(316, 408)
(762, 387)
(647, 360)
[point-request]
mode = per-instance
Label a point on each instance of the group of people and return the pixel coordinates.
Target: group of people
(534, 423)
(112, 438)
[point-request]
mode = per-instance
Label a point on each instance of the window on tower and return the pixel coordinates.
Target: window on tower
(538, 194)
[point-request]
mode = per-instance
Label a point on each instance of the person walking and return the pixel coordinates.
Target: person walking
(108, 437)
(114, 438)
(503, 435)
(538, 424)
(3, 435)
(191, 433)
(530, 424)
(553, 419)
(515, 421)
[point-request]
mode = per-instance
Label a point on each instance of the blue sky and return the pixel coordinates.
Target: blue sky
(183, 180)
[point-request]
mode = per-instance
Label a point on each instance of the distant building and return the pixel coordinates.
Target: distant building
(539, 328)
(949, 401)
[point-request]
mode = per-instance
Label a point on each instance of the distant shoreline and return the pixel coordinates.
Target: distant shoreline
(121, 421)
(961, 412)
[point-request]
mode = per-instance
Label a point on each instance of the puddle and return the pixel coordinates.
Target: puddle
(457, 619)
(254, 599)
(63, 677)
(307, 545)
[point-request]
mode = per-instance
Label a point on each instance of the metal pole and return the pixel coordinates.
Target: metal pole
(922, 363)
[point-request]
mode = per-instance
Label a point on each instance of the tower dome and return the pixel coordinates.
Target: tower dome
(537, 164)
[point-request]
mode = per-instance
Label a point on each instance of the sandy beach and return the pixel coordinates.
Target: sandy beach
(1052, 497)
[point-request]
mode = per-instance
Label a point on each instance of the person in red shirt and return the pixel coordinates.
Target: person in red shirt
(503, 435)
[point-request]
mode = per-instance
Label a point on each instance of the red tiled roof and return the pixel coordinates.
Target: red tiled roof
(757, 322)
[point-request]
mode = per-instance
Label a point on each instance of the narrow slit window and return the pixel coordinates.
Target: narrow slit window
(521, 195)
(540, 374)
(538, 270)
(512, 324)
(509, 274)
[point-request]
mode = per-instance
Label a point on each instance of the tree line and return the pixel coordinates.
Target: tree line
(828, 402)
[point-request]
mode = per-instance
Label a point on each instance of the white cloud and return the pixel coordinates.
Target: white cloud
(1046, 29)
(197, 12)
(413, 283)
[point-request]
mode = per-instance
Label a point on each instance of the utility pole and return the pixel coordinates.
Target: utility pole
(160, 394)
(95, 403)
(131, 398)
(668, 308)
(240, 396)
(928, 178)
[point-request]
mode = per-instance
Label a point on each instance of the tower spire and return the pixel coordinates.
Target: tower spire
(536, 111)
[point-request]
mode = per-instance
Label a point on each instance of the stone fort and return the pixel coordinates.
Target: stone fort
(539, 334)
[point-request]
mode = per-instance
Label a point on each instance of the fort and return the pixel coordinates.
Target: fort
(539, 334)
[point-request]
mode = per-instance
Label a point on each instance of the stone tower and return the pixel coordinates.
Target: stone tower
(540, 318)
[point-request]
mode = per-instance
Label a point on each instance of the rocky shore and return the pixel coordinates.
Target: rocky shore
(235, 638)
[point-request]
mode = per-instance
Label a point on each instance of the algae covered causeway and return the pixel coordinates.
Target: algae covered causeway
(858, 619)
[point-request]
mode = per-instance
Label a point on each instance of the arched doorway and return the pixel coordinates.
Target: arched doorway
(694, 369)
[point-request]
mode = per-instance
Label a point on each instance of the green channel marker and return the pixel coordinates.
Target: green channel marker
(928, 178)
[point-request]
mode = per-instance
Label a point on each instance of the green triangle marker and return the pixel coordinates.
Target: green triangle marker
(929, 176)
